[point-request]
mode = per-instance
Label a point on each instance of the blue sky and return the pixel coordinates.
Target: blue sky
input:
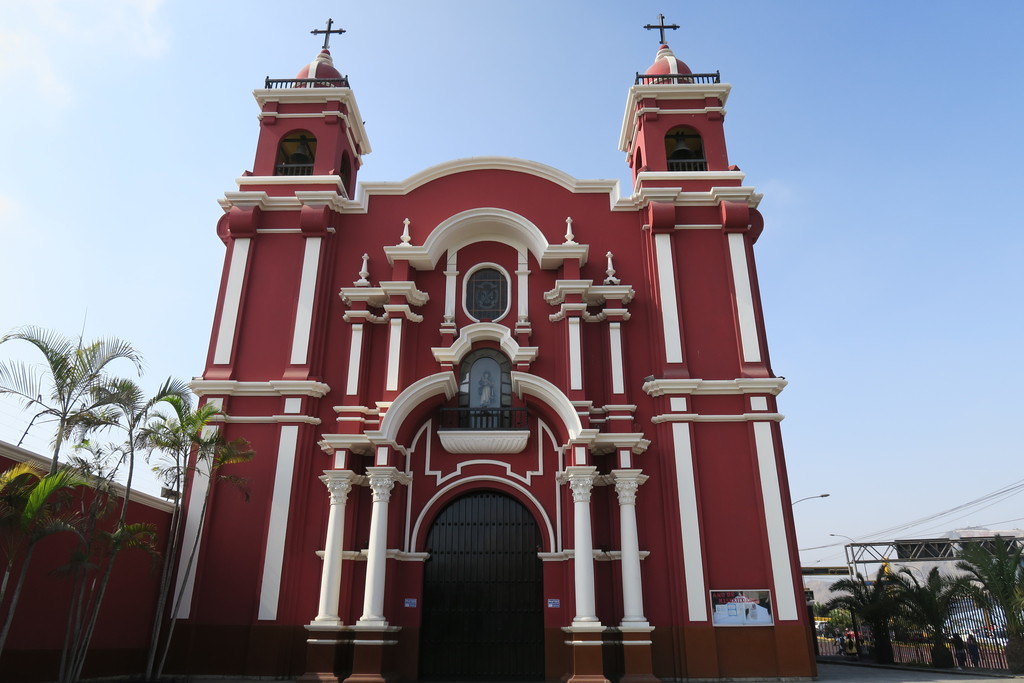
(885, 137)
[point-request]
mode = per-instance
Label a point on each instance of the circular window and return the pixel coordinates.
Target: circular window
(486, 294)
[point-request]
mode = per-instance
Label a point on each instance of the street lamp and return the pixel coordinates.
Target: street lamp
(842, 536)
(820, 495)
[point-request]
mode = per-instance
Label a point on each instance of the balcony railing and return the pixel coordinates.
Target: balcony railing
(673, 79)
(687, 165)
(293, 169)
(483, 418)
(306, 82)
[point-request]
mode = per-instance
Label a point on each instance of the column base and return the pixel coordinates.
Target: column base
(321, 658)
(587, 644)
(368, 654)
(638, 665)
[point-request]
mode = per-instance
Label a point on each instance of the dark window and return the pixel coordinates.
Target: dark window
(487, 294)
(684, 150)
(295, 154)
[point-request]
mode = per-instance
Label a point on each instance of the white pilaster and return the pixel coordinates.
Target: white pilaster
(355, 359)
(232, 301)
(689, 522)
(523, 292)
(626, 484)
(382, 480)
(304, 307)
(667, 293)
(615, 347)
(581, 481)
(575, 354)
(774, 518)
(394, 353)
(744, 298)
(451, 274)
(339, 484)
(273, 554)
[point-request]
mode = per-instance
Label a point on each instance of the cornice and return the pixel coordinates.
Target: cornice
(216, 387)
(317, 96)
(667, 91)
(710, 387)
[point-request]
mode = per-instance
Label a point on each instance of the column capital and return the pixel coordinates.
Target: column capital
(339, 484)
(581, 481)
(382, 480)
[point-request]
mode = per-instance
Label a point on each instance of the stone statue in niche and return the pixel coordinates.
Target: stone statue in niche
(485, 390)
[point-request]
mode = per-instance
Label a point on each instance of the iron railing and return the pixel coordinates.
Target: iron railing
(675, 79)
(483, 418)
(293, 169)
(687, 165)
(306, 82)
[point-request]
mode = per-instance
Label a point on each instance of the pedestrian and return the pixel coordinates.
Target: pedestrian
(960, 649)
(973, 650)
(850, 646)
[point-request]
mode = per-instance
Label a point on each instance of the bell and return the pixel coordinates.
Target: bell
(681, 151)
(302, 154)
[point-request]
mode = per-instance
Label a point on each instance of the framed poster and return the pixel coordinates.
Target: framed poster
(741, 608)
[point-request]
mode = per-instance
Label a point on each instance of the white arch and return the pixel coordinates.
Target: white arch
(532, 385)
(470, 334)
(538, 508)
(486, 224)
(407, 401)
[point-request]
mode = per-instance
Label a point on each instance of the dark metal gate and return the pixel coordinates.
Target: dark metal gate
(483, 589)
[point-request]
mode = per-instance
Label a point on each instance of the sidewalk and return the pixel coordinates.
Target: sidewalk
(839, 670)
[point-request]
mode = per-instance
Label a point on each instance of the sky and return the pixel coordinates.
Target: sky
(886, 138)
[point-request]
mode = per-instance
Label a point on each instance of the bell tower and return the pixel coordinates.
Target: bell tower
(310, 125)
(674, 117)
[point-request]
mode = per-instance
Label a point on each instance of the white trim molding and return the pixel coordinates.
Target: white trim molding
(716, 387)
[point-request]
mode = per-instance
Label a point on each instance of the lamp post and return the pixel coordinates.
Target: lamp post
(820, 495)
(846, 551)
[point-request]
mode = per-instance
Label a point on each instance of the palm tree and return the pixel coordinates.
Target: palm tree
(874, 602)
(999, 581)
(929, 604)
(178, 436)
(31, 508)
(128, 399)
(63, 388)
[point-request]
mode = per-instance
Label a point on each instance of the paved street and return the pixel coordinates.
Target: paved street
(846, 672)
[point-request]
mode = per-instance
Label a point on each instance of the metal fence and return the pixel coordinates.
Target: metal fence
(982, 633)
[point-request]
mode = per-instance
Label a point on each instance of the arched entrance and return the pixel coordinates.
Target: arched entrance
(483, 613)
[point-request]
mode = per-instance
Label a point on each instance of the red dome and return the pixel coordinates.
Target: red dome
(667, 63)
(321, 67)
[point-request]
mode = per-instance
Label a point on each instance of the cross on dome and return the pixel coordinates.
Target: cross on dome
(327, 32)
(661, 26)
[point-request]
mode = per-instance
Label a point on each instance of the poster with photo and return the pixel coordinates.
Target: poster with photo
(741, 608)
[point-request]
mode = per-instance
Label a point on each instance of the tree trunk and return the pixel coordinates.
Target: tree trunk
(1015, 654)
(883, 643)
(942, 658)
(15, 596)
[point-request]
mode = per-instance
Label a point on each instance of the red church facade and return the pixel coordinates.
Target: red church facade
(509, 423)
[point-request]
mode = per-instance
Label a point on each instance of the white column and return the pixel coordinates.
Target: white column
(581, 481)
(382, 480)
(626, 484)
(338, 483)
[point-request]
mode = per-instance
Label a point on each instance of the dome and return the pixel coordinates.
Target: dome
(321, 67)
(667, 63)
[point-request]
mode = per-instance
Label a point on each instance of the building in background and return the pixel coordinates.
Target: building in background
(508, 423)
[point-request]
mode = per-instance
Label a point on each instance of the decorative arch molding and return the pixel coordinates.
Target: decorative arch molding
(476, 332)
(442, 497)
(407, 401)
(545, 391)
(485, 224)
